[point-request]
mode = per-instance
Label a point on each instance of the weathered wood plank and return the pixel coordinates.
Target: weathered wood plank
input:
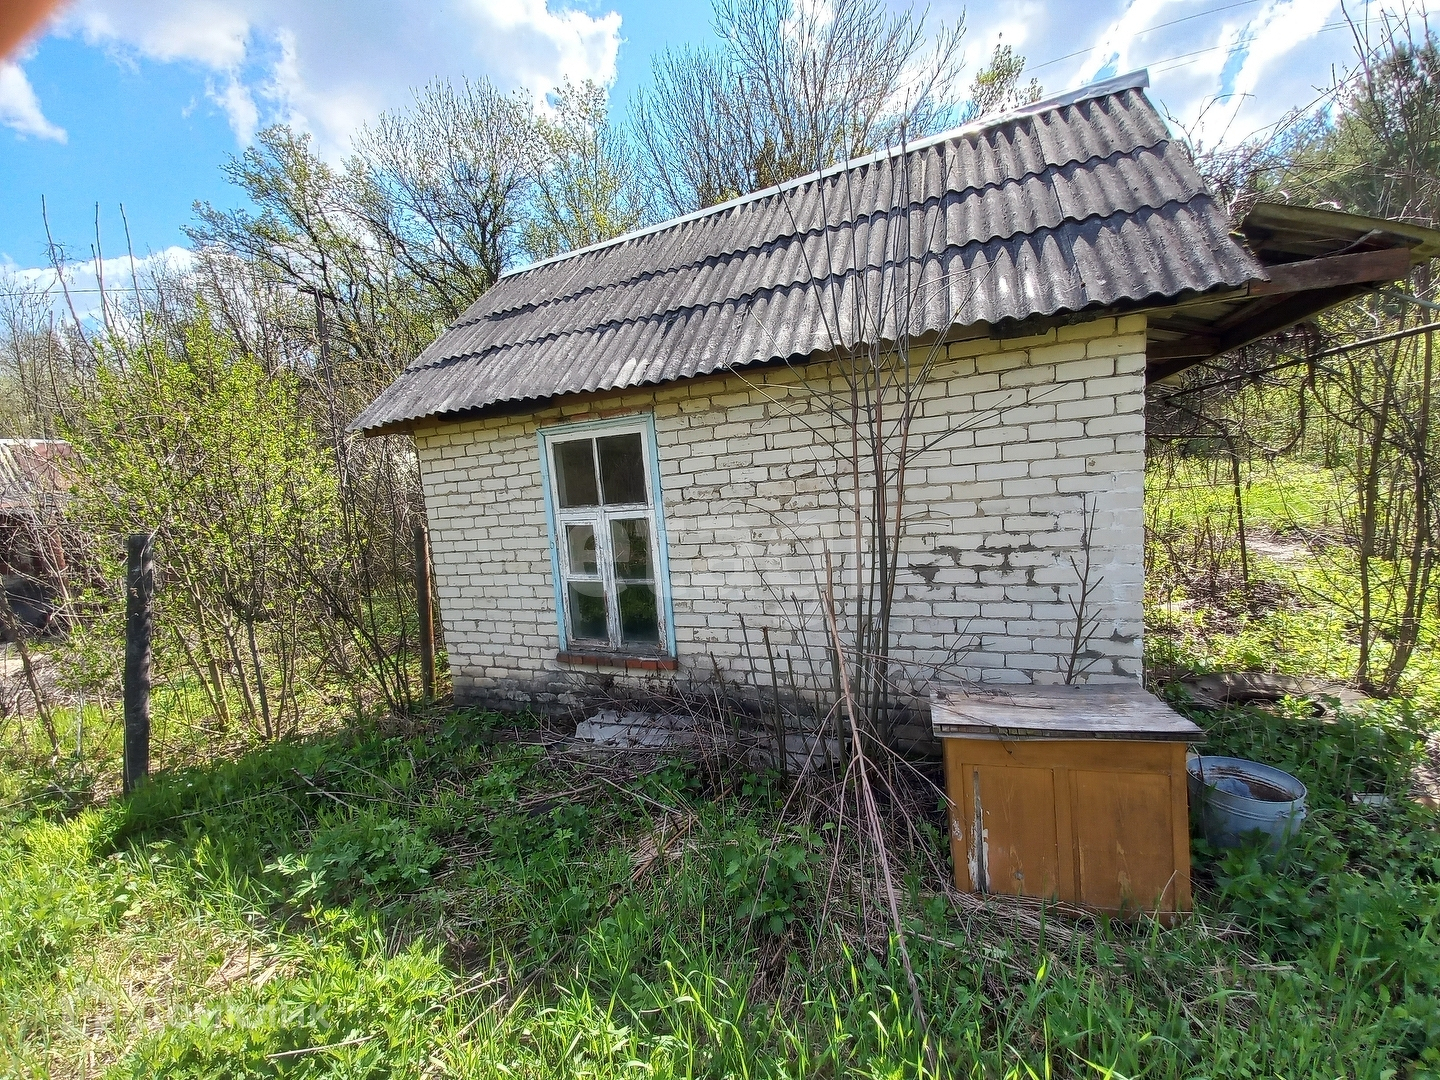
(1087, 821)
(1387, 264)
(1058, 712)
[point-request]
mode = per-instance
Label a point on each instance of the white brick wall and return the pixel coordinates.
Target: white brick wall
(1040, 428)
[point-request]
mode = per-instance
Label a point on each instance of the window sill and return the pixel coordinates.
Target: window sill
(620, 660)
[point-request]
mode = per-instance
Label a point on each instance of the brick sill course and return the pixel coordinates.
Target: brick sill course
(630, 663)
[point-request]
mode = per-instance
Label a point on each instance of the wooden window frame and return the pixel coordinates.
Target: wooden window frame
(600, 517)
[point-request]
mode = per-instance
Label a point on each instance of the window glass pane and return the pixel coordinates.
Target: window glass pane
(575, 473)
(638, 621)
(630, 539)
(587, 610)
(580, 539)
(622, 469)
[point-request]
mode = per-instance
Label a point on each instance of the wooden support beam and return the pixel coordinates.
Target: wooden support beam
(1287, 313)
(1294, 292)
(1304, 228)
(423, 608)
(1370, 267)
(1197, 346)
(1166, 359)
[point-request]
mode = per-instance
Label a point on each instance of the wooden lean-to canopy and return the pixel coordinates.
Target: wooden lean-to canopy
(1313, 259)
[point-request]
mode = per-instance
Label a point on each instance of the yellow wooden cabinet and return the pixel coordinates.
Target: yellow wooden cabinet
(1069, 793)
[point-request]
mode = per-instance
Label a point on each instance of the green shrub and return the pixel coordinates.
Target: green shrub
(369, 850)
(768, 877)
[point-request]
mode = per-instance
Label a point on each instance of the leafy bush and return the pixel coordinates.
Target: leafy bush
(768, 877)
(51, 898)
(368, 849)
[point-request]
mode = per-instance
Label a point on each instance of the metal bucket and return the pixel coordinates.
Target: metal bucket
(1237, 799)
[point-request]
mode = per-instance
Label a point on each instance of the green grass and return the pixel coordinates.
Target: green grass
(1275, 496)
(1297, 613)
(441, 903)
(443, 900)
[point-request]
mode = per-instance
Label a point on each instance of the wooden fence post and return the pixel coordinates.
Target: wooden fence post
(423, 607)
(139, 599)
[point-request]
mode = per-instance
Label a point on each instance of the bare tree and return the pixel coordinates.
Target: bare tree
(39, 359)
(586, 183)
(440, 187)
(1375, 413)
(796, 86)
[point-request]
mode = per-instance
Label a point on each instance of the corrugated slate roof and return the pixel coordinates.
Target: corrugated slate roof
(33, 470)
(1079, 202)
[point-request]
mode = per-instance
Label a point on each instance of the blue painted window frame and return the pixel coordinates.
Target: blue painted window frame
(645, 424)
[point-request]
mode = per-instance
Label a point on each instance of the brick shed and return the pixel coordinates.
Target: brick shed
(630, 468)
(35, 475)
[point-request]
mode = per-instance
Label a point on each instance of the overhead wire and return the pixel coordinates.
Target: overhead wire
(1169, 63)
(41, 290)
(1150, 29)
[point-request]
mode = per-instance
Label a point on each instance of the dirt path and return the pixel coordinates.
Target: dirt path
(1427, 776)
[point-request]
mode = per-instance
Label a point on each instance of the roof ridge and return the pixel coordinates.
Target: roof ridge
(1134, 80)
(1014, 240)
(499, 315)
(866, 216)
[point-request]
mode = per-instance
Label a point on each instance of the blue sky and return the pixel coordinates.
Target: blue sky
(141, 101)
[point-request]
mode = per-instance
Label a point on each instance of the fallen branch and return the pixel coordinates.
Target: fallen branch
(354, 1041)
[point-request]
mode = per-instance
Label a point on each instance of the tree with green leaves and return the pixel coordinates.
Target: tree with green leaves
(206, 449)
(997, 87)
(1376, 150)
(587, 187)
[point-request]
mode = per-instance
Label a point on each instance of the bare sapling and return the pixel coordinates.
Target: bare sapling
(1085, 615)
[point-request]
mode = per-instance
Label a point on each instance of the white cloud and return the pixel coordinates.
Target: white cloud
(1009, 24)
(20, 108)
(329, 65)
(210, 32)
(238, 104)
(1226, 71)
(1245, 79)
(1112, 52)
(82, 279)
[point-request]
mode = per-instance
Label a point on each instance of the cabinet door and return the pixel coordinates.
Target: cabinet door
(1124, 840)
(1019, 838)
